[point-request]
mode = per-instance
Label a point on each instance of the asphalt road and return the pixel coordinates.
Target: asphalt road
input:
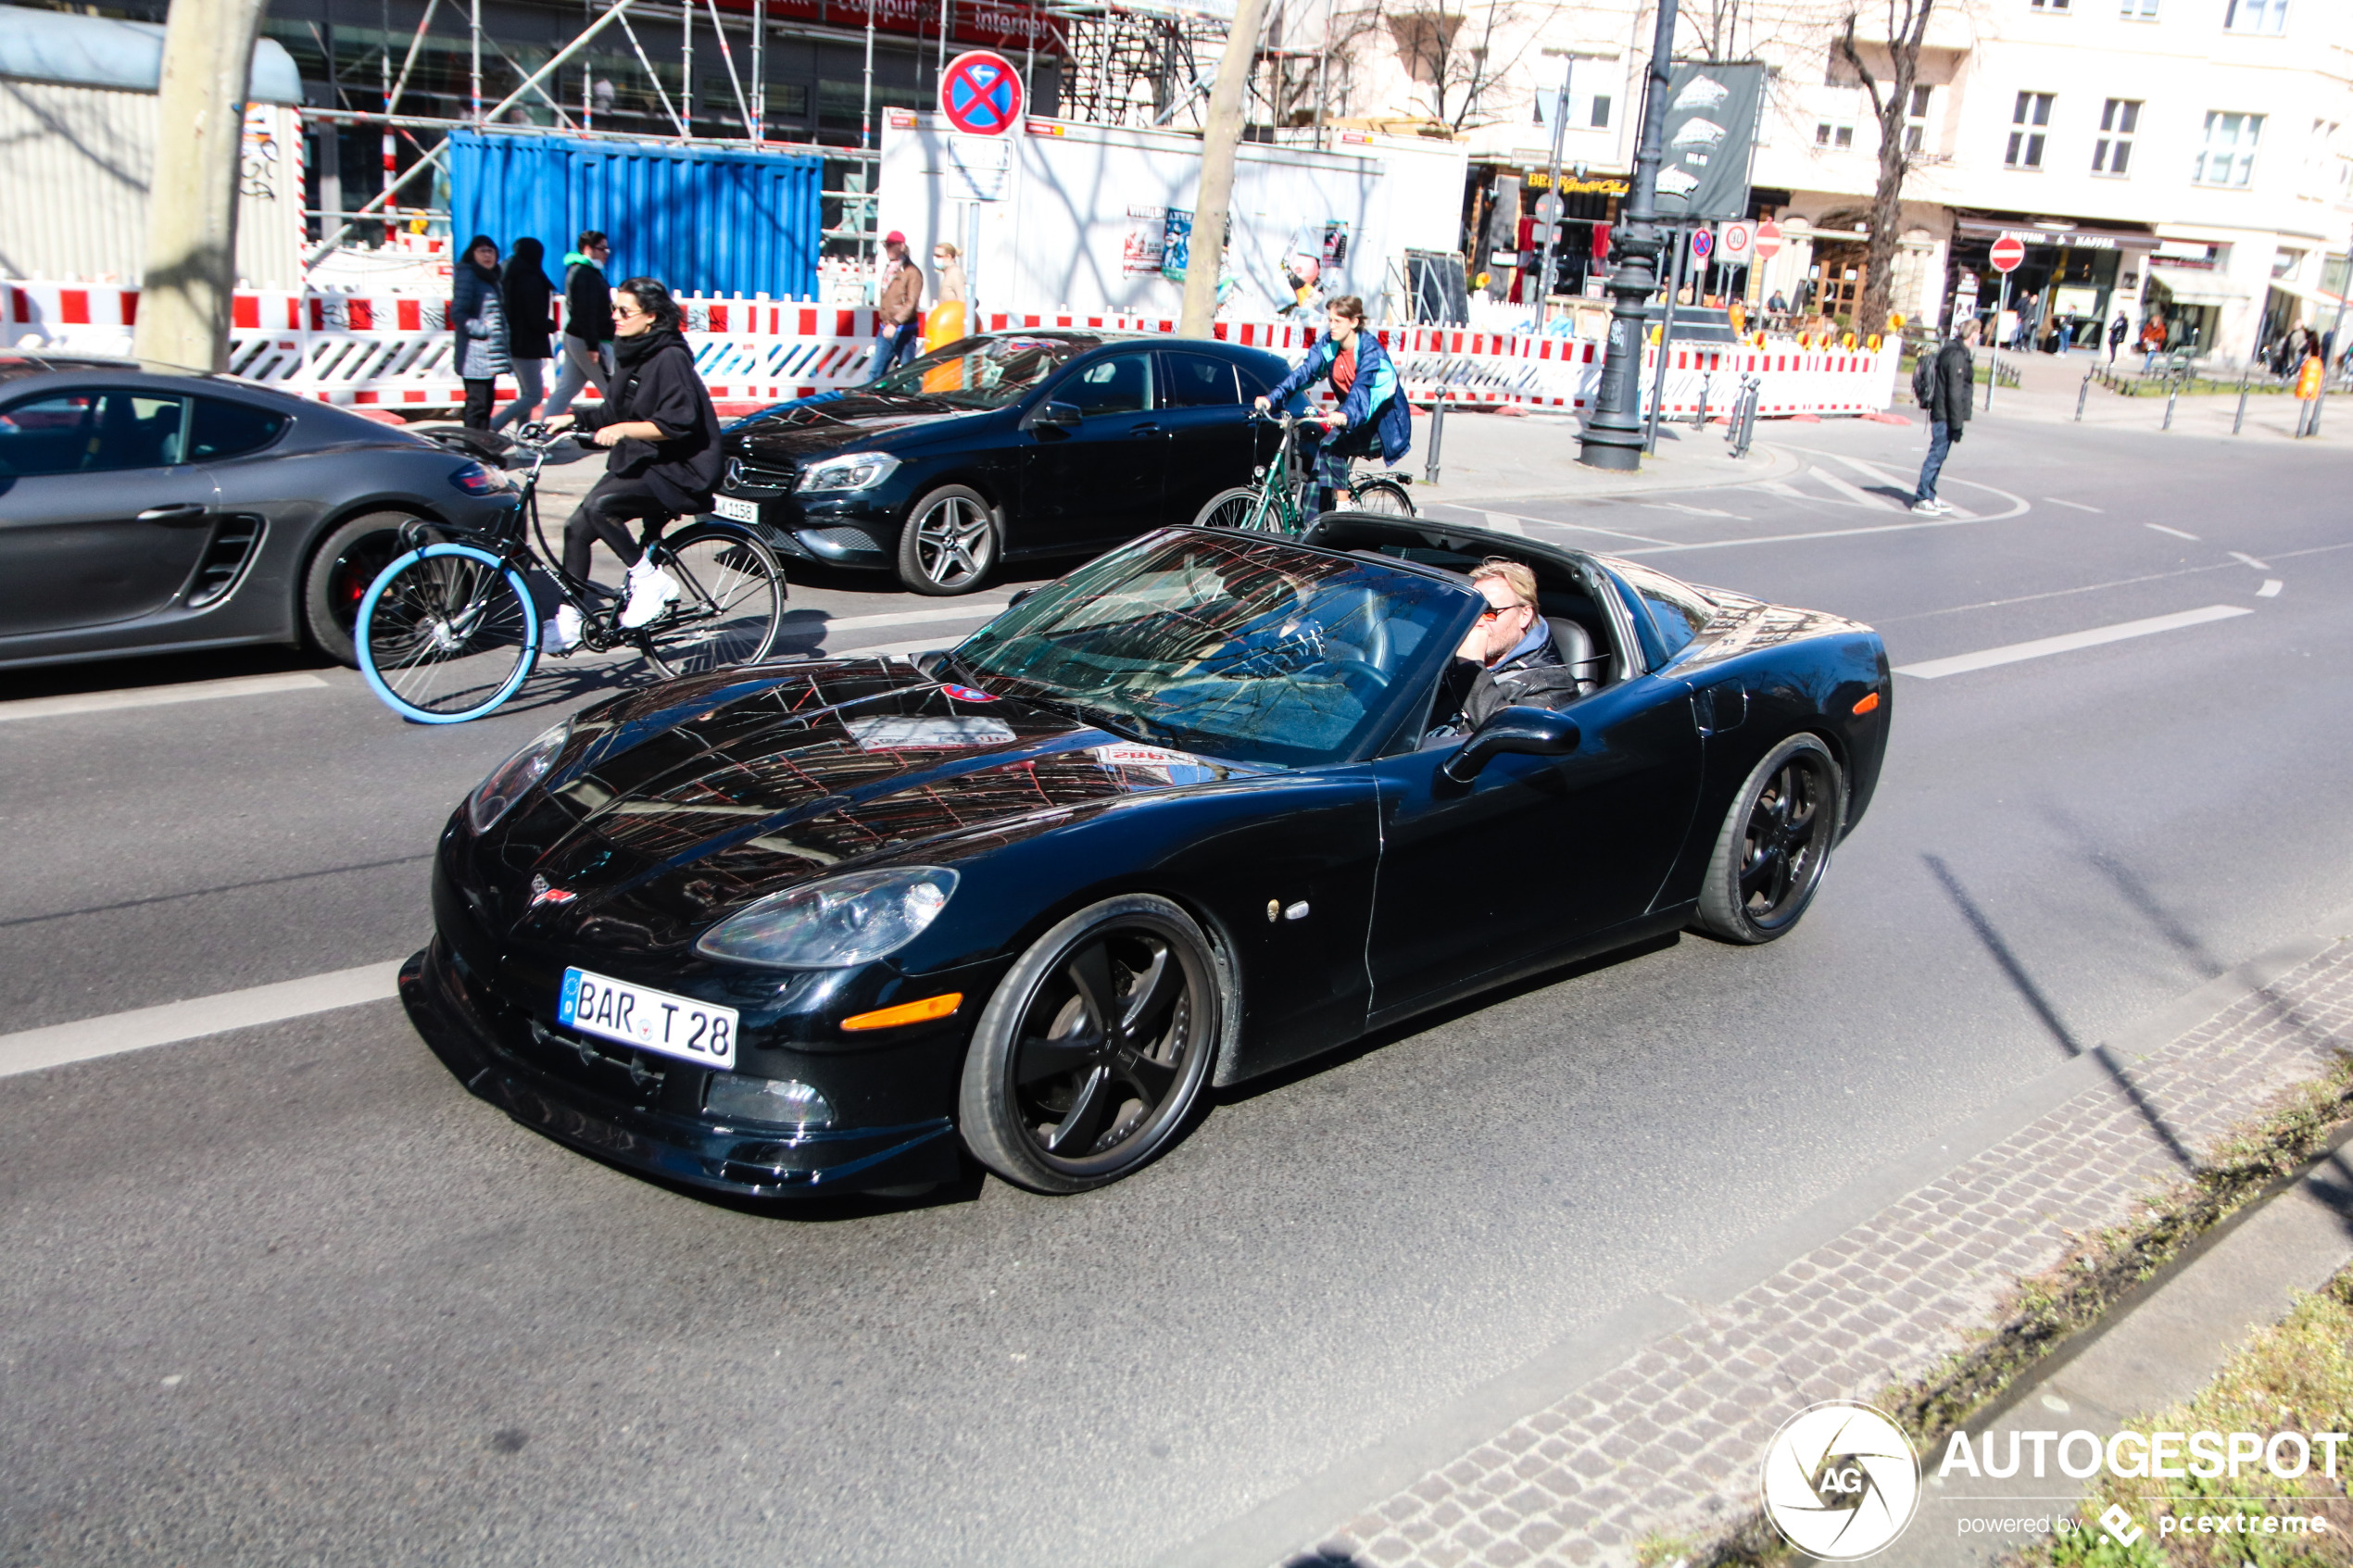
(289, 1294)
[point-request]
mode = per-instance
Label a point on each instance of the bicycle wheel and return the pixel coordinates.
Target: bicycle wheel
(1237, 508)
(447, 634)
(730, 606)
(1383, 495)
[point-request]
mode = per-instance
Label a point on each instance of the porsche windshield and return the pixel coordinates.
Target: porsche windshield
(983, 373)
(1232, 645)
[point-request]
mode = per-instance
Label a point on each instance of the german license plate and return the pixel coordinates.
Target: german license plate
(734, 510)
(650, 1020)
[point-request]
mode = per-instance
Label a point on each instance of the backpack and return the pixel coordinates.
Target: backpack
(1924, 377)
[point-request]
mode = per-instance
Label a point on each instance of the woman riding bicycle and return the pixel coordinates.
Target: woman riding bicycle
(666, 457)
(1372, 410)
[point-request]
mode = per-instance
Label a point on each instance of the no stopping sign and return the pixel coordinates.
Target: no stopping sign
(981, 94)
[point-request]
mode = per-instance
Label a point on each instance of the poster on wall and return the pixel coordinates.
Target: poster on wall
(1145, 248)
(1711, 128)
(1176, 243)
(1335, 245)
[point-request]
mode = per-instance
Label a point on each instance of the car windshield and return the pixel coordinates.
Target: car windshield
(982, 372)
(1231, 646)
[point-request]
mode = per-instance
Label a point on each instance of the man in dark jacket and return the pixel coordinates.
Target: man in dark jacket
(1952, 393)
(666, 457)
(1507, 660)
(588, 324)
(1373, 411)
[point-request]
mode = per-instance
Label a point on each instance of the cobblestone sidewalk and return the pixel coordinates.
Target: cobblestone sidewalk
(1668, 1443)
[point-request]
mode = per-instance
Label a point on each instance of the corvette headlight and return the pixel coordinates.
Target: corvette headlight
(834, 923)
(855, 470)
(496, 794)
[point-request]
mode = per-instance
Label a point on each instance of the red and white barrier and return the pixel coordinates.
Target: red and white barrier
(396, 352)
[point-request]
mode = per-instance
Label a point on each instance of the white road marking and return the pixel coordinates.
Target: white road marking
(1854, 496)
(1962, 664)
(2020, 505)
(1898, 481)
(2245, 560)
(1781, 487)
(29, 1050)
(2063, 501)
(1524, 520)
(2175, 532)
(917, 617)
(1504, 523)
(880, 650)
(1691, 511)
(2270, 589)
(156, 697)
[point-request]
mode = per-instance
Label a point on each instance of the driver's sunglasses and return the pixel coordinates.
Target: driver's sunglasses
(1492, 611)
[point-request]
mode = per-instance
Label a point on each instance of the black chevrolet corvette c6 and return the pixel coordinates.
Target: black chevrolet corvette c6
(1181, 817)
(1003, 447)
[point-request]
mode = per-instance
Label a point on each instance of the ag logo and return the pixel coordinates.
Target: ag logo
(1841, 1481)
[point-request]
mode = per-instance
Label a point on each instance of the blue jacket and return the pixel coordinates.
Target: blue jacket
(1377, 399)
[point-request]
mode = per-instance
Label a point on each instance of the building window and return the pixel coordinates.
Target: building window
(2112, 153)
(2049, 5)
(1601, 111)
(2257, 15)
(2140, 10)
(1829, 135)
(2227, 157)
(2027, 122)
(1915, 119)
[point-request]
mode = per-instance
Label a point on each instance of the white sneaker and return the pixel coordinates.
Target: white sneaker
(560, 632)
(1944, 507)
(1927, 509)
(651, 591)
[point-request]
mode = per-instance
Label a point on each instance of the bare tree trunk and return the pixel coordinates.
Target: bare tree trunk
(191, 204)
(1907, 26)
(1222, 132)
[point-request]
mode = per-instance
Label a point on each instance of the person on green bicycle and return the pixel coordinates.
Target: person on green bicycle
(1373, 412)
(664, 437)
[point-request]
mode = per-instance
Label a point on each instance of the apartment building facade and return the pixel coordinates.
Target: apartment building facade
(2189, 159)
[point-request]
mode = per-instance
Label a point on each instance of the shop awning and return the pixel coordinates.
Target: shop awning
(2198, 288)
(2309, 295)
(2081, 236)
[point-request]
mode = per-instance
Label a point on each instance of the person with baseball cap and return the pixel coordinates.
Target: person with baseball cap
(901, 307)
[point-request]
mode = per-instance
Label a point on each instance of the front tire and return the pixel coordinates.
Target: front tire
(950, 542)
(1775, 844)
(1093, 1051)
(1228, 509)
(446, 634)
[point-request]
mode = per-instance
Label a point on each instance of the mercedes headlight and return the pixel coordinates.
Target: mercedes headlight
(834, 923)
(496, 794)
(855, 470)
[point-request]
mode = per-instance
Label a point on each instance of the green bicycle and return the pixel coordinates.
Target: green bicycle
(1278, 502)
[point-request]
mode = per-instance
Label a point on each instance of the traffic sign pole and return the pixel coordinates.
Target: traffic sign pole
(2007, 252)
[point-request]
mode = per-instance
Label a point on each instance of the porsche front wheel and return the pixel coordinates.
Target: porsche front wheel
(1093, 1051)
(1775, 844)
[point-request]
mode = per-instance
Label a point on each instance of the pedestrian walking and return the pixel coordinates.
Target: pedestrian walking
(2117, 330)
(523, 285)
(588, 324)
(1949, 392)
(478, 318)
(902, 302)
(2152, 342)
(951, 316)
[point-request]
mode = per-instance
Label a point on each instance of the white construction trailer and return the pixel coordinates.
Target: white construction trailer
(1096, 217)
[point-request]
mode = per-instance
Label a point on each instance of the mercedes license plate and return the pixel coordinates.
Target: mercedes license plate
(650, 1020)
(734, 510)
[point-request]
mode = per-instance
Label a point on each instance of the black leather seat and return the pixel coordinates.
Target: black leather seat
(1575, 645)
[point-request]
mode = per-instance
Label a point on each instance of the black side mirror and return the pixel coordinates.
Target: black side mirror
(1539, 732)
(1054, 416)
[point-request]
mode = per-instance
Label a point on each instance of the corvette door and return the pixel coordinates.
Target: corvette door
(1100, 483)
(100, 518)
(1534, 856)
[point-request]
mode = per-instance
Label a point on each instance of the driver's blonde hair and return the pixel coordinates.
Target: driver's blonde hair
(1512, 574)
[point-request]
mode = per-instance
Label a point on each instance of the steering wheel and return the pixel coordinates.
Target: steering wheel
(1373, 674)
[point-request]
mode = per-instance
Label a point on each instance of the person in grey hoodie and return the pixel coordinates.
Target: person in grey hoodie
(478, 317)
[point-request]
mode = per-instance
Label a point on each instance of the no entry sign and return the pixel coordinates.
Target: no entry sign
(1768, 240)
(2008, 253)
(981, 94)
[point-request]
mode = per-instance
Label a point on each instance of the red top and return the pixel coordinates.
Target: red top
(1344, 370)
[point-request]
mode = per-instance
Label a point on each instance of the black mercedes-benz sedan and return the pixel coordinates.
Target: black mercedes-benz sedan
(148, 509)
(999, 448)
(1194, 812)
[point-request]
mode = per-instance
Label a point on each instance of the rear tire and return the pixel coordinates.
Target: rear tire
(730, 606)
(950, 543)
(1228, 509)
(1385, 496)
(1775, 844)
(345, 562)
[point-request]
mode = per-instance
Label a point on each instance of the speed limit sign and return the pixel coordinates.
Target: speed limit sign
(1735, 244)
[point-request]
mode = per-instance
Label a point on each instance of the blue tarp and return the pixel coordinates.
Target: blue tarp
(703, 219)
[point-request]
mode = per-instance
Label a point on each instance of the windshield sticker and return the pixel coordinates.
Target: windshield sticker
(892, 733)
(968, 694)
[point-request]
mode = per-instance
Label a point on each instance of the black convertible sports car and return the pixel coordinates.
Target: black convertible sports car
(1008, 446)
(146, 509)
(1176, 818)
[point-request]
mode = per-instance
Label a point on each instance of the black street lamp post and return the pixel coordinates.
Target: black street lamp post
(1613, 437)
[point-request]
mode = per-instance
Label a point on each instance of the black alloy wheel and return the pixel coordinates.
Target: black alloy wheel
(1093, 1051)
(1775, 844)
(346, 563)
(950, 543)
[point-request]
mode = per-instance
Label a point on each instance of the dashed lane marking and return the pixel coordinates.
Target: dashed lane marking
(157, 697)
(2042, 647)
(2175, 532)
(2245, 560)
(916, 617)
(2063, 501)
(29, 1050)
(2270, 589)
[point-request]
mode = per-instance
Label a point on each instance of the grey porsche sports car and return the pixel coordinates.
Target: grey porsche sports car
(146, 509)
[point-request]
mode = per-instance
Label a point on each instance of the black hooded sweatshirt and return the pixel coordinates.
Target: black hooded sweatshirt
(655, 379)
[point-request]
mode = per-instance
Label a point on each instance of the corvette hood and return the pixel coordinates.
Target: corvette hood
(694, 800)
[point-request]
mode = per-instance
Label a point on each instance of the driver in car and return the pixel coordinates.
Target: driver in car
(1507, 660)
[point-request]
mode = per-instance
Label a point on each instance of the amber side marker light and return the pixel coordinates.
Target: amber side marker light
(1869, 704)
(906, 1012)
